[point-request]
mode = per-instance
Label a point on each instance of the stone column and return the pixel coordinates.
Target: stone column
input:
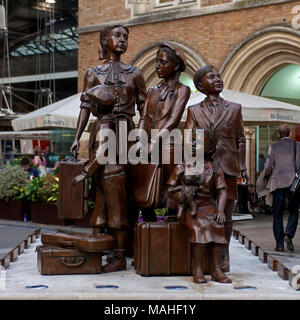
(250, 153)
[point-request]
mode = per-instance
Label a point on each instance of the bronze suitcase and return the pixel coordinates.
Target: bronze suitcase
(72, 202)
(82, 241)
(56, 260)
(162, 248)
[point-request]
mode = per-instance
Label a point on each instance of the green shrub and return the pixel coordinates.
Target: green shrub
(12, 179)
(41, 189)
(15, 162)
(48, 192)
(31, 191)
(161, 211)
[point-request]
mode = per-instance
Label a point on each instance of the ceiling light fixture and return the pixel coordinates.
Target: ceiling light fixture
(50, 1)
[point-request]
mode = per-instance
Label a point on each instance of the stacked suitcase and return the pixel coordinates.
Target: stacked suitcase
(72, 253)
(161, 248)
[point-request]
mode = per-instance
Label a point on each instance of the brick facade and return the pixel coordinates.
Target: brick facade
(213, 35)
(92, 12)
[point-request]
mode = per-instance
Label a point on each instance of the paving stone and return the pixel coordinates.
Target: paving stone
(262, 255)
(254, 249)
(5, 261)
(241, 238)
(21, 247)
(248, 243)
(272, 262)
(13, 254)
(237, 235)
(282, 271)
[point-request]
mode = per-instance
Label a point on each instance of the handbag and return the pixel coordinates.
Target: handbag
(146, 185)
(296, 182)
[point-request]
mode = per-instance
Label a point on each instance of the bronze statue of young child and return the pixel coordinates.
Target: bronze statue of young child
(204, 219)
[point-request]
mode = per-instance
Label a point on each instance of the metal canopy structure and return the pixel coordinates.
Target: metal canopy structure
(37, 37)
(42, 134)
(23, 17)
(64, 40)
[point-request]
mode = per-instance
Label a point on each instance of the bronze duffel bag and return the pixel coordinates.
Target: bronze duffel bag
(56, 260)
(82, 241)
(145, 186)
(162, 248)
(72, 197)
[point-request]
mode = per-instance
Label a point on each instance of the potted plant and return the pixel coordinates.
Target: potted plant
(12, 181)
(161, 213)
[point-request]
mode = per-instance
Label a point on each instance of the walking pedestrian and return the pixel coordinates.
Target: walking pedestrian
(282, 160)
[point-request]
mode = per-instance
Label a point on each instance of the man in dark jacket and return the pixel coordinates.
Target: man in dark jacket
(280, 166)
(32, 172)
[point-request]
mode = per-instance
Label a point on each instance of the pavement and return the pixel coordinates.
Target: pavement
(12, 236)
(252, 279)
(257, 236)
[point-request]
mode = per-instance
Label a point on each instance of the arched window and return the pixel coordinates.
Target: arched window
(188, 81)
(284, 85)
(251, 64)
(145, 60)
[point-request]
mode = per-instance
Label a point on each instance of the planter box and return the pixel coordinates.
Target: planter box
(46, 213)
(14, 210)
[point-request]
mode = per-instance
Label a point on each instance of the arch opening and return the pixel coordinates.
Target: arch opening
(146, 62)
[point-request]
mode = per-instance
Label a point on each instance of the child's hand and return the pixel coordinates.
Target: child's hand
(175, 189)
(220, 217)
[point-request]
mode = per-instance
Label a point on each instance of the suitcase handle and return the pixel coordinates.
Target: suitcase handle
(170, 219)
(66, 262)
(66, 243)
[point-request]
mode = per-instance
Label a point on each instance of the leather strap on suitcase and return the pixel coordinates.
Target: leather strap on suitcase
(82, 241)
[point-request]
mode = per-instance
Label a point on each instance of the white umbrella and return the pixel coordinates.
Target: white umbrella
(61, 114)
(254, 108)
(64, 113)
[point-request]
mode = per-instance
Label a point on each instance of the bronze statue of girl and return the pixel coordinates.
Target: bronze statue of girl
(163, 110)
(126, 86)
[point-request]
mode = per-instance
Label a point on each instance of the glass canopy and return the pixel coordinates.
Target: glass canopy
(65, 40)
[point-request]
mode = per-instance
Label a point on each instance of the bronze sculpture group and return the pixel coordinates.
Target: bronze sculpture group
(202, 202)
